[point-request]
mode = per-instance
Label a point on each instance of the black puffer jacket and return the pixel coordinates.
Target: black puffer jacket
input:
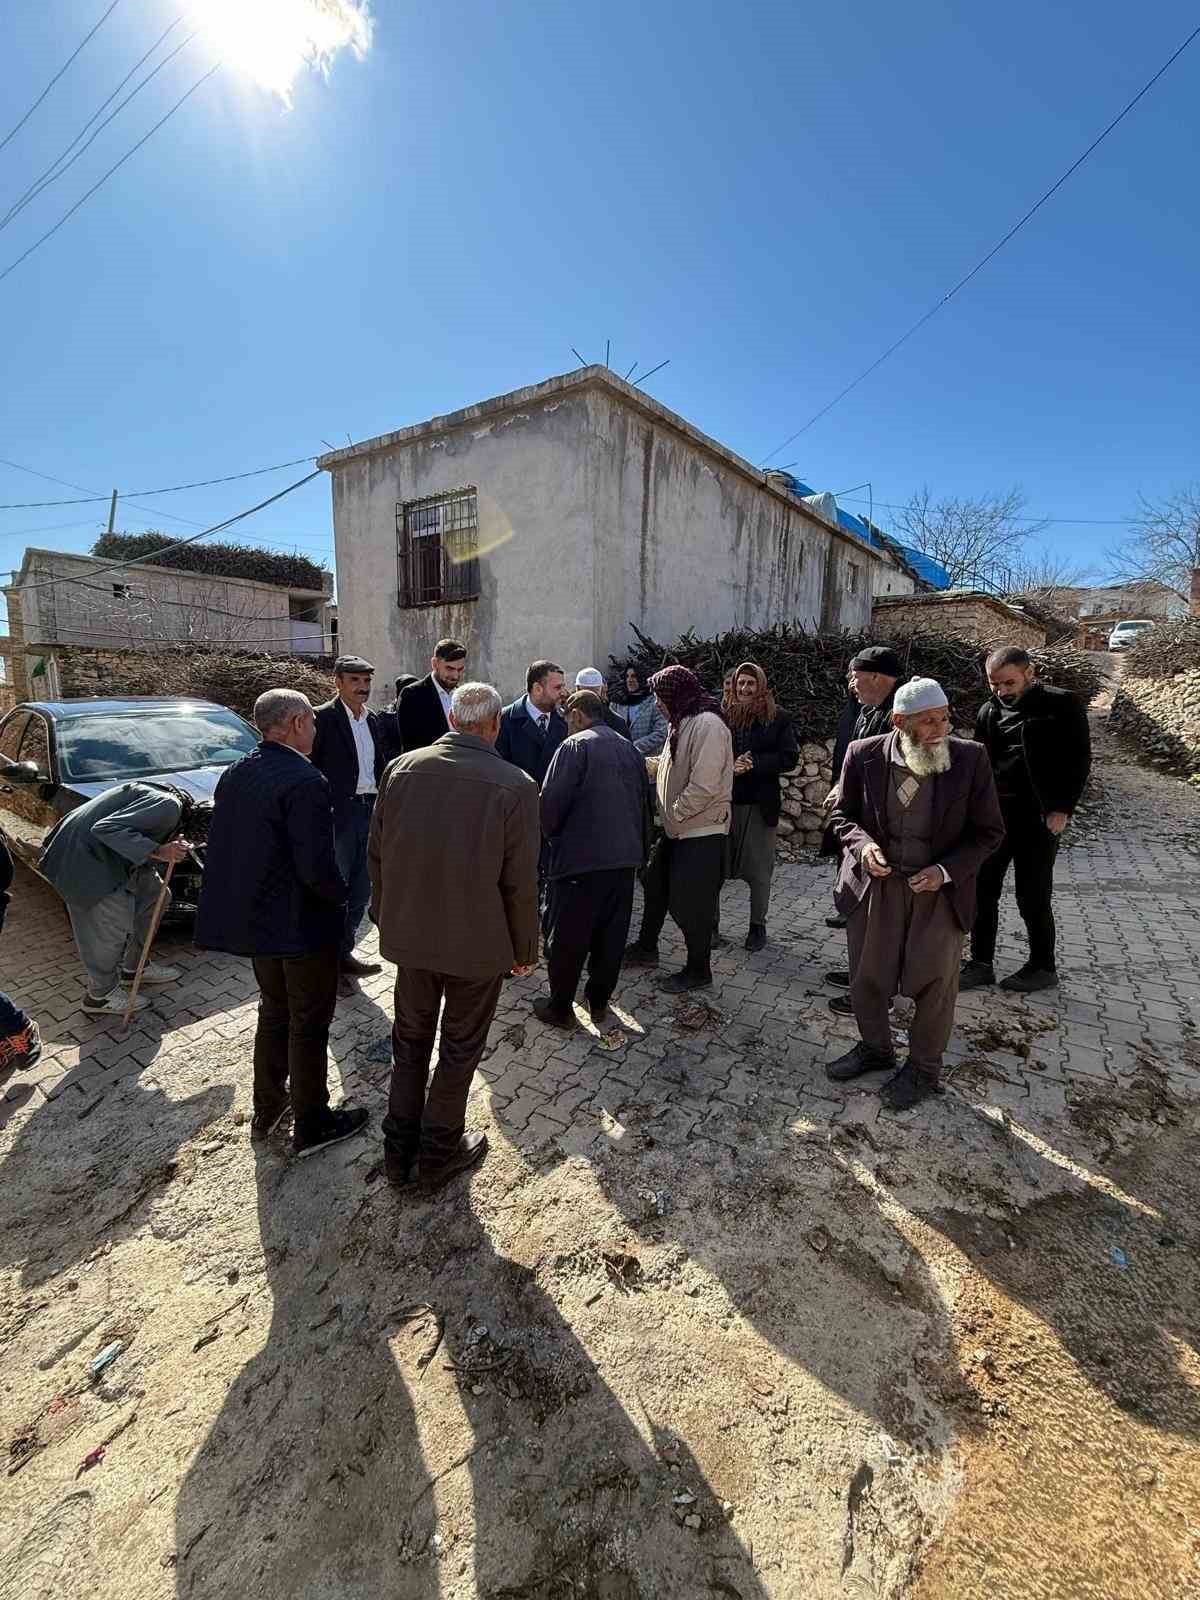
(775, 750)
(1057, 743)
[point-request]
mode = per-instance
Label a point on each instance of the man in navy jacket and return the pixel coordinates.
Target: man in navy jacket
(533, 727)
(272, 891)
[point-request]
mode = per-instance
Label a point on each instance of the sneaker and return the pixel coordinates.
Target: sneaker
(856, 1062)
(472, 1148)
(684, 982)
(334, 1127)
(908, 1088)
(262, 1128)
(757, 937)
(21, 1050)
(352, 967)
(545, 1010)
(1030, 979)
(840, 980)
(976, 975)
(113, 1004)
(154, 972)
(638, 955)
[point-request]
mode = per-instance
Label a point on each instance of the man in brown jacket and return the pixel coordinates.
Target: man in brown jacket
(453, 859)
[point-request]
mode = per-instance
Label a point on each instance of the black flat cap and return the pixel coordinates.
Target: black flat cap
(878, 658)
(361, 664)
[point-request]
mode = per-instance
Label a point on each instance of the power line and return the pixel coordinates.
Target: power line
(1088, 522)
(58, 74)
(996, 248)
(25, 254)
(50, 175)
(174, 488)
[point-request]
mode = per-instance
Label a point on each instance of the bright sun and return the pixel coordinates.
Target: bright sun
(274, 40)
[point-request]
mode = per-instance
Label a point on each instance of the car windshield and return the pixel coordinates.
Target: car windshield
(132, 744)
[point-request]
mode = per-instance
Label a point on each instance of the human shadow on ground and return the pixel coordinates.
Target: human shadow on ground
(419, 1405)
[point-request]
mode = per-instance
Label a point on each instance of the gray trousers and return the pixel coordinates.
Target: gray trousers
(910, 944)
(751, 857)
(110, 934)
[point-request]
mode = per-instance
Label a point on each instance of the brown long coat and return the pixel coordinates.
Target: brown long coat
(453, 859)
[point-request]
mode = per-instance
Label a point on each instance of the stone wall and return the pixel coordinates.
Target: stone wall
(971, 616)
(1162, 715)
(802, 822)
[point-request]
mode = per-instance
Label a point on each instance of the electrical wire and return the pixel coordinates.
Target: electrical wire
(995, 250)
(174, 488)
(1086, 522)
(12, 131)
(50, 232)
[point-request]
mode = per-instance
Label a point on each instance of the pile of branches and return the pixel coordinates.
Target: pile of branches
(1041, 608)
(288, 571)
(1165, 650)
(233, 678)
(807, 671)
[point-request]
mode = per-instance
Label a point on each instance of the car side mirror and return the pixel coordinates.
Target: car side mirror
(22, 772)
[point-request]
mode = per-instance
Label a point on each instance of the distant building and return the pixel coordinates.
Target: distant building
(547, 521)
(59, 599)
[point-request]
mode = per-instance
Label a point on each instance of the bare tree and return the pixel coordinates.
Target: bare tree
(1042, 575)
(977, 540)
(1164, 545)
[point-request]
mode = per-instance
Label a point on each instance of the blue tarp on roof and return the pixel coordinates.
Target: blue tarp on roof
(930, 571)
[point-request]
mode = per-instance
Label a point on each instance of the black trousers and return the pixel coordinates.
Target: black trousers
(1030, 848)
(296, 1000)
(683, 876)
(432, 1124)
(589, 921)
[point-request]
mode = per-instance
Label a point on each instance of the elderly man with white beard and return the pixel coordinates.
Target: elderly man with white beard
(917, 817)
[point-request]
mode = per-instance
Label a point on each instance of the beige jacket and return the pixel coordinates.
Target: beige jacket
(695, 787)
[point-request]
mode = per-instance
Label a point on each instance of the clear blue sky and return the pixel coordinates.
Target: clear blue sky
(765, 194)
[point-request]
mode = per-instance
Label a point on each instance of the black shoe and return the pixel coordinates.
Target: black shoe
(684, 982)
(835, 922)
(856, 1062)
(597, 1010)
(332, 1129)
(908, 1088)
(842, 1006)
(354, 968)
(263, 1127)
(545, 1010)
(719, 941)
(976, 975)
(757, 937)
(840, 980)
(637, 955)
(400, 1168)
(472, 1147)
(1030, 979)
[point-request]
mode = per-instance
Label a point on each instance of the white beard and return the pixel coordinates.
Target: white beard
(925, 760)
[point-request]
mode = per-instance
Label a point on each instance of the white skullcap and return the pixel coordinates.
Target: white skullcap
(589, 678)
(919, 694)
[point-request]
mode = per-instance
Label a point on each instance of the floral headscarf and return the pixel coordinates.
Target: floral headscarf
(684, 696)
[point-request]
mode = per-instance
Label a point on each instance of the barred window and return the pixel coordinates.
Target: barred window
(437, 542)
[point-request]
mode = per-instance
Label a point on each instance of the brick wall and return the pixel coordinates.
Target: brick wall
(972, 616)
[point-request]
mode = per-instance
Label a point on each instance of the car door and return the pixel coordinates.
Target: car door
(15, 818)
(44, 797)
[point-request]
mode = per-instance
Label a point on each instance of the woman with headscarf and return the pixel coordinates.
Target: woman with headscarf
(695, 785)
(640, 711)
(764, 745)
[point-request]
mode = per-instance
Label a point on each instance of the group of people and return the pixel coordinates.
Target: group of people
(477, 835)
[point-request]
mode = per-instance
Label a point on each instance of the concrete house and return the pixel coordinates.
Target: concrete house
(544, 522)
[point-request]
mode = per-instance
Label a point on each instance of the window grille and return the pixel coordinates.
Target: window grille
(437, 541)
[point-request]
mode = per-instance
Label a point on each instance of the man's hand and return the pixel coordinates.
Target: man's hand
(523, 972)
(930, 878)
(175, 850)
(744, 763)
(875, 861)
(1056, 821)
(830, 800)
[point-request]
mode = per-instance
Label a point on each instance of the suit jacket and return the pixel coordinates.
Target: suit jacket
(453, 858)
(335, 754)
(595, 804)
(93, 850)
(1056, 739)
(522, 744)
(420, 717)
(967, 825)
(874, 719)
(271, 881)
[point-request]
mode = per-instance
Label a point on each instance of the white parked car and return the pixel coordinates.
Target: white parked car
(1127, 633)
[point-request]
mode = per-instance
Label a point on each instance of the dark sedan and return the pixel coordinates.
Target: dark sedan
(54, 755)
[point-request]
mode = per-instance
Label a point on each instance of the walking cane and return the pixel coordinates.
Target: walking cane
(154, 921)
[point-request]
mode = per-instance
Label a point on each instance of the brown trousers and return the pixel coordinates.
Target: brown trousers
(431, 1125)
(910, 944)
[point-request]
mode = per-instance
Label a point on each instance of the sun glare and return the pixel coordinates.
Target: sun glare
(273, 41)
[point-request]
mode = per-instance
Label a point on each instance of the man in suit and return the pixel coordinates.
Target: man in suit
(100, 859)
(533, 727)
(272, 891)
(456, 916)
(423, 709)
(1041, 752)
(917, 816)
(350, 748)
(596, 820)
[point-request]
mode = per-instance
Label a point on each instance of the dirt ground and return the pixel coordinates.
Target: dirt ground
(724, 1329)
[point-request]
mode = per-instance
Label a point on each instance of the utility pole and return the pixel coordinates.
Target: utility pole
(112, 512)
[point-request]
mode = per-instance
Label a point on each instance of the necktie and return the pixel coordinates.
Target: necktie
(543, 721)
